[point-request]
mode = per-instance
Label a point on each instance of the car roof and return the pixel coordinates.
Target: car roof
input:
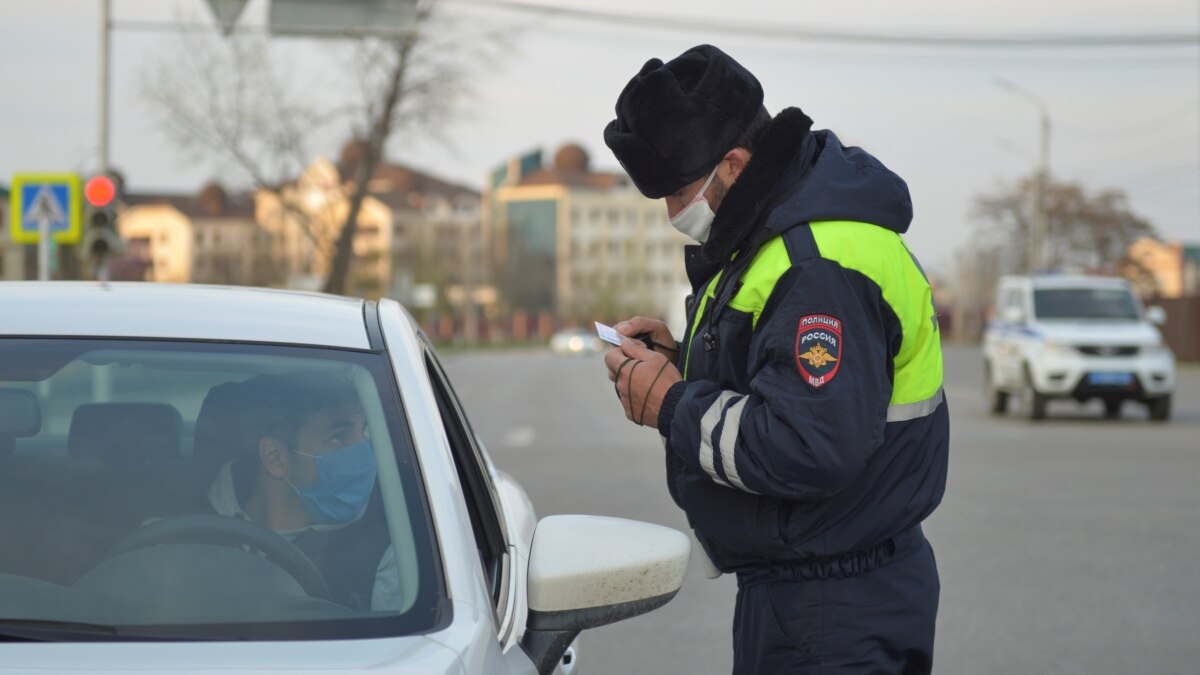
(180, 311)
(1066, 281)
(1078, 281)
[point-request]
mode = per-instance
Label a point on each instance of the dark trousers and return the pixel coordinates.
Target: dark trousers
(881, 621)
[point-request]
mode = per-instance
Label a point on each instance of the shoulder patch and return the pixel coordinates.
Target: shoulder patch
(819, 348)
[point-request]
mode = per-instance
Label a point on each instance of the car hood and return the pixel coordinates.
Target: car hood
(414, 655)
(1100, 332)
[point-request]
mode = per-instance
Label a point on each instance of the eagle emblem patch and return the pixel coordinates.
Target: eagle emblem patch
(819, 348)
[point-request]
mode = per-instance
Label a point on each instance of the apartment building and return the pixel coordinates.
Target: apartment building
(581, 243)
(1164, 269)
(209, 237)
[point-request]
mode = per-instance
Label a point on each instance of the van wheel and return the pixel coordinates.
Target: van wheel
(1112, 408)
(1160, 408)
(997, 400)
(1035, 400)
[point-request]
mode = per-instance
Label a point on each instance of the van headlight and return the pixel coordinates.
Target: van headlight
(1052, 348)
(1158, 349)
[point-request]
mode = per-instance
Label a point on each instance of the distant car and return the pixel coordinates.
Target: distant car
(576, 341)
(1078, 337)
(130, 413)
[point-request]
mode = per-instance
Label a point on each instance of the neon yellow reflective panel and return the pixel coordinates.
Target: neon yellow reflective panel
(759, 280)
(882, 257)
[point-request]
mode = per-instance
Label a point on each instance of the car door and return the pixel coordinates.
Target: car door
(499, 561)
(1009, 339)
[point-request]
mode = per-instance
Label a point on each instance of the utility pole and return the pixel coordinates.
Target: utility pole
(100, 272)
(102, 99)
(1041, 229)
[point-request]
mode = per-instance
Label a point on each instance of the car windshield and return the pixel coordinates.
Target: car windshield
(1085, 303)
(209, 491)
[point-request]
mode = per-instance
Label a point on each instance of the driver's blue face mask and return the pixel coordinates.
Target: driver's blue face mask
(345, 479)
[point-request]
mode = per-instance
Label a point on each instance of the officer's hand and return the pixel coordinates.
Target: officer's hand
(658, 331)
(641, 378)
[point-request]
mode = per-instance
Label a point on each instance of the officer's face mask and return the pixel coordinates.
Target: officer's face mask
(696, 219)
(345, 479)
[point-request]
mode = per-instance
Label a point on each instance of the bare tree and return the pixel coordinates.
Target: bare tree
(224, 98)
(1086, 230)
(979, 263)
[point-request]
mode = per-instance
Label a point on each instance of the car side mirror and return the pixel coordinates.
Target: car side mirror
(588, 571)
(1156, 315)
(1014, 315)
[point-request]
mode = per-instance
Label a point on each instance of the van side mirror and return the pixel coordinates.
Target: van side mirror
(1156, 315)
(588, 571)
(1014, 315)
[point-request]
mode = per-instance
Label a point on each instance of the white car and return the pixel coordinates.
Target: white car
(1077, 337)
(576, 341)
(205, 478)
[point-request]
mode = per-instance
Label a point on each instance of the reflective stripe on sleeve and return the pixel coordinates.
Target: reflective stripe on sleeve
(707, 423)
(729, 435)
(912, 411)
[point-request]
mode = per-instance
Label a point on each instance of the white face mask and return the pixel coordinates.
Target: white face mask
(696, 219)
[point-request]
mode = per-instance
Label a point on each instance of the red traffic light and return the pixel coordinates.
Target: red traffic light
(99, 191)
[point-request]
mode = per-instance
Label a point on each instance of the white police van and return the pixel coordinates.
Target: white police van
(1079, 337)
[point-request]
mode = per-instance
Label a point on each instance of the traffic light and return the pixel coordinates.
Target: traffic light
(101, 243)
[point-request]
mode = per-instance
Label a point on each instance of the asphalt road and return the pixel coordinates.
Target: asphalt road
(1066, 546)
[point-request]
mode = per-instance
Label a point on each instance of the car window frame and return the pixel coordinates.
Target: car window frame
(432, 592)
(479, 491)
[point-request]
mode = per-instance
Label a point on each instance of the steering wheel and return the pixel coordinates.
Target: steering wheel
(228, 531)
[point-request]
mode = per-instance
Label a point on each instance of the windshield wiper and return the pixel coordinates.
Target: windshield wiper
(39, 630)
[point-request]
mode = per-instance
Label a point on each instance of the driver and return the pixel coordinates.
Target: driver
(310, 477)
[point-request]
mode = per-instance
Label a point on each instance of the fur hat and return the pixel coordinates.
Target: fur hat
(676, 120)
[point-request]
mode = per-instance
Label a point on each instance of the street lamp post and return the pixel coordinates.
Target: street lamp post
(103, 82)
(1037, 238)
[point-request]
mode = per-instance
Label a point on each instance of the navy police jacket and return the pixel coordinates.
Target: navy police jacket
(811, 424)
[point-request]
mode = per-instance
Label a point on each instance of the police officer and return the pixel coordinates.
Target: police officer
(805, 424)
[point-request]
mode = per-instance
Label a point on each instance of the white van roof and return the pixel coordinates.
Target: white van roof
(1064, 281)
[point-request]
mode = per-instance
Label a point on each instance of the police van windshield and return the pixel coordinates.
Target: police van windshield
(1085, 303)
(208, 491)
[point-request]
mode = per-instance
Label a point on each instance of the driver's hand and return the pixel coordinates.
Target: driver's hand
(660, 335)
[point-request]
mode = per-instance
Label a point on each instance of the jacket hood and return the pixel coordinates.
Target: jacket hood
(798, 176)
(844, 183)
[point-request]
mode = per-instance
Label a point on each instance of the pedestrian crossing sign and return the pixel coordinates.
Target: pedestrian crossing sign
(51, 198)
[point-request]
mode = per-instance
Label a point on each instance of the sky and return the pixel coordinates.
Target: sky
(1120, 118)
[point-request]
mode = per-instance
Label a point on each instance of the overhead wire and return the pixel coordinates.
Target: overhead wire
(844, 36)
(1164, 177)
(839, 55)
(1155, 123)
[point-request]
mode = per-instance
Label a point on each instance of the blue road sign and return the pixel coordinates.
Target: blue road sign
(52, 199)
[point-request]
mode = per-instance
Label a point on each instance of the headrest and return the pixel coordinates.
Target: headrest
(20, 414)
(125, 432)
(225, 427)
